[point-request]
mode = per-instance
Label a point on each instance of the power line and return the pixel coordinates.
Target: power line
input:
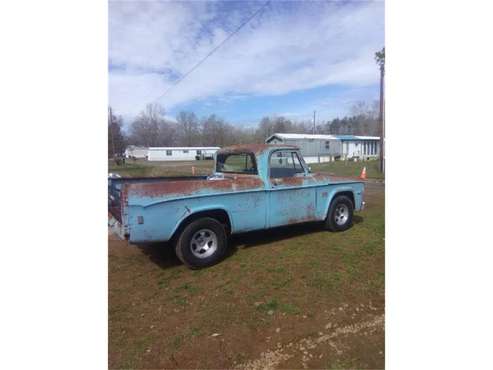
(214, 50)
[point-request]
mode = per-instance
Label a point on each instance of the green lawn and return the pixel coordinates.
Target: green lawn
(349, 168)
(142, 168)
(148, 169)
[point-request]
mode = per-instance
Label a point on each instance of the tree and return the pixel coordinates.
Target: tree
(188, 128)
(116, 138)
(151, 129)
(380, 57)
(215, 131)
(282, 124)
(264, 130)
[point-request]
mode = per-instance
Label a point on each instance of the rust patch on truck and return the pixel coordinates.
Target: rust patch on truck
(320, 177)
(191, 187)
(291, 181)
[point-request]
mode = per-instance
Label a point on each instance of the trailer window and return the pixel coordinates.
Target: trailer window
(168, 152)
(236, 163)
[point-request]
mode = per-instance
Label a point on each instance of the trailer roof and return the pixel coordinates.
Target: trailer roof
(184, 148)
(255, 148)
(301, 136)
(356, 137)
(321, 137)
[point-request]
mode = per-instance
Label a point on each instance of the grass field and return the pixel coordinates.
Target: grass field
(349, 168)
(145, 168)
(283, 298)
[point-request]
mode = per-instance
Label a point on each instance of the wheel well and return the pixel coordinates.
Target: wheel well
(349, 194)
(219, 214)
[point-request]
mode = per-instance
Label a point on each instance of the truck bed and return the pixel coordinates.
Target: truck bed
(116, 185)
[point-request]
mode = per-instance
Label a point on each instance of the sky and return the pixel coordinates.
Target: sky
(291, 59)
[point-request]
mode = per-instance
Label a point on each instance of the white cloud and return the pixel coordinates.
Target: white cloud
(287, 48)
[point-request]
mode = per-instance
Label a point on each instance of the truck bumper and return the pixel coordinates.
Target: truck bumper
(115, 227)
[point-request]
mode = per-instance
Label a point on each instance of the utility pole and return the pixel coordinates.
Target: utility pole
(380, 59)
(382, 119)
(314, 113)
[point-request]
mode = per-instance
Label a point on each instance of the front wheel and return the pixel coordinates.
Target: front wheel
(340, 215)
(202, 243)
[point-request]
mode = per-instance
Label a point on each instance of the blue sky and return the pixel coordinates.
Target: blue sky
(295, 57)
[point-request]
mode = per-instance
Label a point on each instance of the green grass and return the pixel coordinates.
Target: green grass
(342, 364)
(274, 305)
(142, 168)
(289, 308)
(177, 341)
(349, 168)
(271, 305)
(187, 287)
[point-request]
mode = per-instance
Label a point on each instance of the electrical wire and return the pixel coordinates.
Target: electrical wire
(213, 50)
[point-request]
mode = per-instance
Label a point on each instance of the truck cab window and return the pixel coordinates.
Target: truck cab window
(236, 163)
(285, 164)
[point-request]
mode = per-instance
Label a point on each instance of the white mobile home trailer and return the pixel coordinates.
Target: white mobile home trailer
(133, 151)
(181, 153)
(314, 148)
(324, 148)
(361, 147)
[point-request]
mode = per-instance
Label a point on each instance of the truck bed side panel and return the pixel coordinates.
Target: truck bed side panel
(158, 221)
(326, 193)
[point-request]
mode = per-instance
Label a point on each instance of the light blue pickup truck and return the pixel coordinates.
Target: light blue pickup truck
(252, 187)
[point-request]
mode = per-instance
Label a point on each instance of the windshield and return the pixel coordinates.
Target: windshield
(236, 163)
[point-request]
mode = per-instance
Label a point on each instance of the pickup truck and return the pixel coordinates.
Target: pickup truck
(252, 187)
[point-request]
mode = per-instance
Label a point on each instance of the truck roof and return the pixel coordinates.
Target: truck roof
(254, 148)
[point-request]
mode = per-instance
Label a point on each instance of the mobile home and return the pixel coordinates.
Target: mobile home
(324, 148)
(133, 151)
(181, 153)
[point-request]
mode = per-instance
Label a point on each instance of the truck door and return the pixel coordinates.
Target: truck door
(291, 199)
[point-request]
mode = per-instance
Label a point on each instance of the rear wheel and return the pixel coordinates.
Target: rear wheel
(202, 243)
(340, 215)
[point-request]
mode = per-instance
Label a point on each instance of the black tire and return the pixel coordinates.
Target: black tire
(188, 251)
(335, 220)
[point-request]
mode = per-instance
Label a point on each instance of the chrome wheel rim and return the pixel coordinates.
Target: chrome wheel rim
(341, 214)
(203, 243)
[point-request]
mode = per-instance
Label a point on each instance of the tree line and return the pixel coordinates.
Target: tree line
(151, 128)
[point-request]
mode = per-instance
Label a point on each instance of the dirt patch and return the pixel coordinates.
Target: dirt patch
(308, 352)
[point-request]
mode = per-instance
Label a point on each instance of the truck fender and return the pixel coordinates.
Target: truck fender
(348, 191)
(197, 212)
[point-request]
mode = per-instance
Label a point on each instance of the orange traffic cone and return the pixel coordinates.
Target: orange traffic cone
(363, 174)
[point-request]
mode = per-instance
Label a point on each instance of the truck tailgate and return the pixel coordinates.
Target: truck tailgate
(117, 190)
